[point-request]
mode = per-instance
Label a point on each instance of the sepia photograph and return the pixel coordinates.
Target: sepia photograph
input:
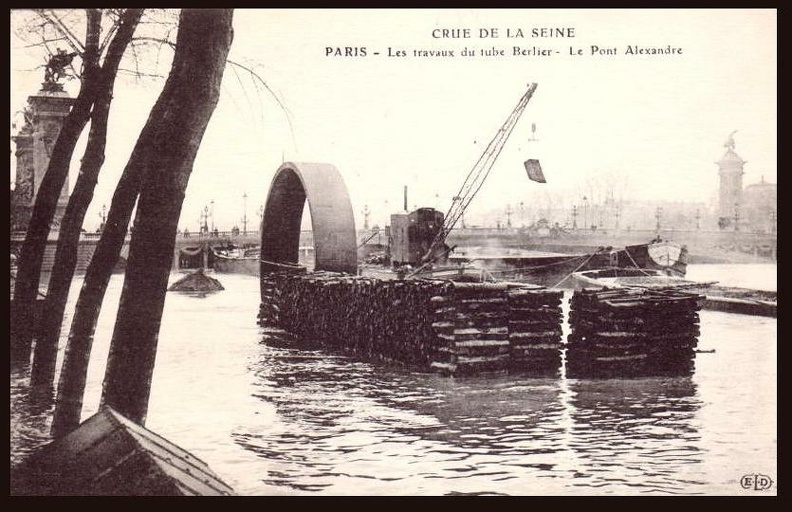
(393, 252)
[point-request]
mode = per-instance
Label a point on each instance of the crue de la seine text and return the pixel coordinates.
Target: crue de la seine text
(467, 33)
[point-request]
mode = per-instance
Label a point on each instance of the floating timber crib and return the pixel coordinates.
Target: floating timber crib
(632, 332)
(454, 328)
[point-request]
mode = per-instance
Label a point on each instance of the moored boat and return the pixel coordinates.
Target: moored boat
(616, 277)
(656, 258)
(237, 260)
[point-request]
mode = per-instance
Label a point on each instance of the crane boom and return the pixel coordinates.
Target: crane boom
(477, 175)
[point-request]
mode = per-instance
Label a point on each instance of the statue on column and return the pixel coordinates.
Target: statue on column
(730, 141)
(55, 69)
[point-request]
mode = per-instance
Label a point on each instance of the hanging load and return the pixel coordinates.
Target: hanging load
(534, 170)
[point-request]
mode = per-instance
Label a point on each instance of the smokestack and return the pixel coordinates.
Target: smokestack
(405, 198)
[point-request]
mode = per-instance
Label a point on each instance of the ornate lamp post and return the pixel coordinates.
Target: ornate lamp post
(585, 212)
(736, 216)
(212, 213)
(244, 214)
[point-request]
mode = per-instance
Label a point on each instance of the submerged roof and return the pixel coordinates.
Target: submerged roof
(110, 455)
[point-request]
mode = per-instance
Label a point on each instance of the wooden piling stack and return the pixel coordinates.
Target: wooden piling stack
(632, 332)
(455, 328)
(472, 326)
(535, 330)
(269, 309)
(381, 319)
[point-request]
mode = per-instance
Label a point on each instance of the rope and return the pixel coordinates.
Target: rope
(578, 268)
(281, 264)
(525, 269)
(643, 271)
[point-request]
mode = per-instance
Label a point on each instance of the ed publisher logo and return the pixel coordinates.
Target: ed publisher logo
(757, 482)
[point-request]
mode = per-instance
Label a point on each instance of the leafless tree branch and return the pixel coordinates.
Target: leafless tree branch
(55, 21)
(257, 79)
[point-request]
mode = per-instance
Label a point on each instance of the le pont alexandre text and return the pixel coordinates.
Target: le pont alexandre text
(481, 33)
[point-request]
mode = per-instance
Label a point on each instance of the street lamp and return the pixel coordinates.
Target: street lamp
(212, 213)
(103, 216)
(736, 216)
(574, 216)
(585, 212)
(205, 220)
(244, 215)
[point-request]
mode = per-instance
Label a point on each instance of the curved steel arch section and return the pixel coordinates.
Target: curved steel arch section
(333, 222)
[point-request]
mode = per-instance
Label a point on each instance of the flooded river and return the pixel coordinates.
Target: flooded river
(271, 417)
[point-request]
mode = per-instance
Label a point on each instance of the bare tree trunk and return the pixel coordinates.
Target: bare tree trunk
(89, 303)
(32, 253)
(45, 354)
(68, 405)
(204, 39)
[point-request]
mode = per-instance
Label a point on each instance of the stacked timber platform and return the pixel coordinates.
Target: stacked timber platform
(535, 329)
(632, 332)
(453, 328)
(485, 327)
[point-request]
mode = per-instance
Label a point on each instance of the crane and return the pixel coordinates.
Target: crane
(475, 179)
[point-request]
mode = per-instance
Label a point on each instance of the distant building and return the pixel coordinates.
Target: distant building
(760, 206)
(751, 209)
(730, 168)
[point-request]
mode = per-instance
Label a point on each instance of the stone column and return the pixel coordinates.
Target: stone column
(43, 120)
(730, 169)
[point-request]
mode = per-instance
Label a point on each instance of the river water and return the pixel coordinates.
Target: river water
(272, 417)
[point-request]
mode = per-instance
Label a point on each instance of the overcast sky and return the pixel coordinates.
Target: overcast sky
(653, 125)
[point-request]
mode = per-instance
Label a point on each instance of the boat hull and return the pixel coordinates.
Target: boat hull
(245, 265)
(555, 270)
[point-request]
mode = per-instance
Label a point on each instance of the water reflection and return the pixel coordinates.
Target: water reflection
(635, 433)
(341, 421)
(274, 417)
(30, 413)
